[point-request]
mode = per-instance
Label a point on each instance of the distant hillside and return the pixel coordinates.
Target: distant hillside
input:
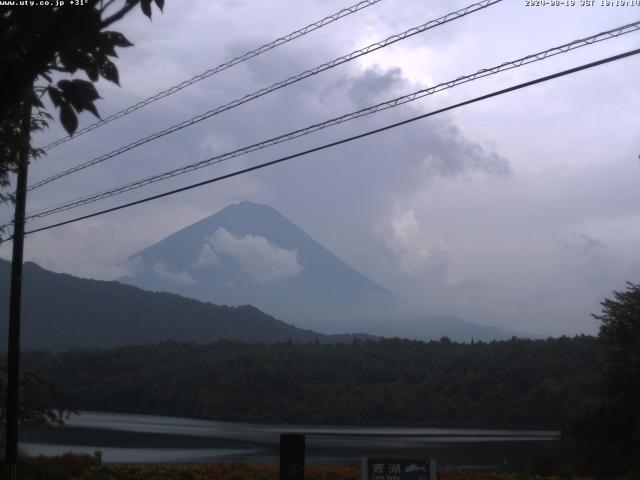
(61, 311)
(454, 328)
(249, 253)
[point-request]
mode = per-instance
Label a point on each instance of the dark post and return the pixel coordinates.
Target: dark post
(13, 352)
(292, 456)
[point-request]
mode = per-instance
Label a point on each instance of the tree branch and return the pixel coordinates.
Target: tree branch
(119, 14)
(57, 69)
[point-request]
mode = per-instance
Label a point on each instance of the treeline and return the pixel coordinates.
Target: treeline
(524, 383)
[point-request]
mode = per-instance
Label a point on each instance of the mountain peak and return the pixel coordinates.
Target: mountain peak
(247, 206)
(249, 253)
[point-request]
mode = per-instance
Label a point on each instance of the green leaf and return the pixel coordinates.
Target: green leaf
(117, 39)
(68, 118)
(78, 91)
(106, 46)
(55, 96)
(93, 72)
(109, 71)
(69, 59)
(80, 94)
(92, 108)
(146, 7)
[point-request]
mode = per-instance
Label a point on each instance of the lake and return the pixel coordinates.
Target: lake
(124, 438)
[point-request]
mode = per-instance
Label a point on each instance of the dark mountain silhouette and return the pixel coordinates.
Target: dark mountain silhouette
(61, 311)
(251, 254)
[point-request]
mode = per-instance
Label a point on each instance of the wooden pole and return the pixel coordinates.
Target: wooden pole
(15, 301)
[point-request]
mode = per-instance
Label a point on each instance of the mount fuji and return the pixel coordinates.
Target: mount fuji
(250, 253)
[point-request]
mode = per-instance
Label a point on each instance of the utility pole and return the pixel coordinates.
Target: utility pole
(13, 352)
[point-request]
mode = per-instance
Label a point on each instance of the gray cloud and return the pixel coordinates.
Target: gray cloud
(485, 184)
(591, 261)
(374, 85)
(581, 244)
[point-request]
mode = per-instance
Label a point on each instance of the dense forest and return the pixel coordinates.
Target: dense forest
(516, 383)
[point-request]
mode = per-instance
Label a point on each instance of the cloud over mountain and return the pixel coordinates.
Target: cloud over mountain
(163, 270)
(250, 254)
(256, 255)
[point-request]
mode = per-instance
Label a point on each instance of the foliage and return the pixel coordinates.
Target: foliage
(36, 399)
(60, 467)
(620, 337)
(82, 467)
(38, 44)
(394, 382)
(221, 471)
(605, 436)
(14, 141)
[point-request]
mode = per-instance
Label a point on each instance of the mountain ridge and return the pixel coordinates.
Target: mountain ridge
(60, 311)
(449, 326)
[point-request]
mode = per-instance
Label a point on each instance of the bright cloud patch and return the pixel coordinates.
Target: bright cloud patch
(256, 256)
(163, 270)
(415, 255)
(207, 256)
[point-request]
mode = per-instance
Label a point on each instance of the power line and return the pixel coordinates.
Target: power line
(224, 66)
(612, 33)
(345, 140)
(276, 86)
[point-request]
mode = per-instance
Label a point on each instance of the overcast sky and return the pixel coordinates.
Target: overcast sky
(522, 211)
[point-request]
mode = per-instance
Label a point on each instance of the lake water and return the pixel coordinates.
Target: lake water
(124, 438)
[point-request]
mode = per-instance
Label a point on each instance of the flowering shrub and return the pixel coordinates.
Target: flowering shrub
(266, 472)
(218, 471)
(83, 467)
